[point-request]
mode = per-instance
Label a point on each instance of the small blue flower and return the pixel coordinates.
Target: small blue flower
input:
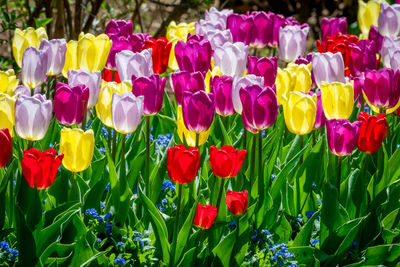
(100, 219)
(255, 235)
(366, 109)
(164, 201)
(168, 135)
(350, 252)
(319, 202)
(233, 224)
(309, 213)
(314, 242)
(91, 213)
(4, 245)
(102, 150)
(107, 188)
(119, 261)
(102, 205)
(139, 240)
(107, 216)
(167, 184)
(265, 232)
(354, 243)
(15, 182)
(173, 205)
(314, 185)
(139, 234)
(14, 255)
(109, 228)
(99, 240)
(273, 176)
(120, 244)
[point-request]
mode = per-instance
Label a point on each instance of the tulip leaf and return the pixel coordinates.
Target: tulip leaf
(26, 242)
(303, 238)
(224, 248)
(187, 259)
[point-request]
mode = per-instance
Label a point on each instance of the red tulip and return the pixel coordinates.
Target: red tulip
(237, 202)
(226, 162)
(107, 76)
(160, 55)
(372, 132)
(205, 216)
(182, 163)
(5, 147)
(40, 168)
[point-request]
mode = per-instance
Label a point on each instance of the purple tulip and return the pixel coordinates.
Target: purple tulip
(342, 136)
(291, 21)
(304, 60)
(34, 67)
(241, 27)
(375, 36)
(264, 67)
(203, 26)
(134, 64)
(382, 88)
(23, 90)
(215, 15)
(152, 88)
(261, 36)
(395, 60)
(241, 82)
(56, 55)
(119, 28)
(198, 110)
(126, 112)
(119, 44)
(277, 21)
(292, 42)
(260, 107)
(358, 86)
(231, 59)
(362, 56)
(32, 116)
(91, 80)
(320, 119)
(186, 81)
(194, 55)
(218, 38)
(328, 67)
(222, 90)
(389, 46)
(389, 19)
(332, 26)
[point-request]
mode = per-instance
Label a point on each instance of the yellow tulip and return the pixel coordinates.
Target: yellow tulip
(77, 147)
(7, 120)
(367, 15)
(103, 106)
(300, 111)
(70, 58)
(174, 34)
(24, 39)
(210, 74)
(190, 137)
(8, 82)
(337, 100)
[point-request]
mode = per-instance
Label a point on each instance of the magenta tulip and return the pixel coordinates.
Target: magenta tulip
(362, 57)
(241, 27)
(222, 90)
(194, 55)
(152, 88)
(342, 136)
(332, 26)
(264, 67)
(186, 81)
(198, 110)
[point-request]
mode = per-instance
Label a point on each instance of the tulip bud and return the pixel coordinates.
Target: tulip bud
(372, 132)
(292, 42)
(186, 81)
(241, 82)
(205, 216)
(264, 67)
(342, 136)
(8, 82)
(134, 64)
(119, 28)
(152, 88)
(389, 19)
(56, 55)
(198, 111)
(218, 15)
(237, 202)
(332, 26)
(7, 120)
(34, 67)
(24, 39)
(337, 100)
(185, 135)
(389, 46)
(161, 49)
(241, 27)
(367, 15)
(328, 67)
(218, 38)
(226, 162)
(231, 59)
(126, 112)
(182, 163)
(91, 80)
(5, 147)
(203, 26)
(222, 90)
(194, 55)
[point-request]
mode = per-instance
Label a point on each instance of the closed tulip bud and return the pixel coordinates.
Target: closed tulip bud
(367, 15)
(262, 26)
(277, 21)
(34, 67)
(226, 162)
(222, 90)
(241, 82)
(5, 147)
(372, 132)
(337, 100)
(389, 19)
(32, 116)
(40, 168)
(160, 53)
(119, 43)
(218, 38)
(203, 26)
(70, 103)
(56, 55)
(231, 59)
(237, 202)
(77, 147)
(292, 42)
(182, 163)
(134, 64)
(152, 88)
(241, 27)
(221, 16)
(332, 26)
(24, 39)
(186, 81)
(328, 67)
(108, 76)
(375, 36)
(342, 136)
(119, 28)
(389, 46)
(300, 111)
(198, 110)
(264, 67)
(7, 104)
(8, 82)
(362, 57)
(185, 135)
(91, 80)
(205, 216)
(194, 55)
(126, 112)
(260, 107)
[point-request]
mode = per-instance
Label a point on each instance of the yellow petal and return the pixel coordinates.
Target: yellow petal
(190, 137)
(8, 82)
(337, 100)
(368, 14)
(70, 58)
(284, 84)
(300, 111)
(103, 45)
(87, 53)
(7, 104)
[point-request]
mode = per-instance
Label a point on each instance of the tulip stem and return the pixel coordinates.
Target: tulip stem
(221, 189)
(11, 196)
(197, 139)
(147, 177)
(339, 175)
(109, 139)
(261, 164)
(30, 144)
(114, 146)
(48, 87)
(253, 162)
(83, 126)
(176, 226)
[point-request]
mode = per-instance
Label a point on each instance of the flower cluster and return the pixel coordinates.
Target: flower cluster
(8, 256)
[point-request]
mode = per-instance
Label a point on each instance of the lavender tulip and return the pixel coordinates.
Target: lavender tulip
(215, 15)
(126, 112)
(260, 107)
(152, 88)
(332, 26)
(342, 136)
(34, 67)
(186, 81)
(203, 26)
(194, 55)
(264, 67)
(389, 19)
(328, 67)
(91, 80)
(198, 110)
(134, 64)
(320, 119)
(362, 56)
(389, 46)
(222, 90)
(241, 27)
(218, 38)
(241, 82)
(56, 55)
(292, 42)
(32, 116)
(231, 59)
(23, 90)
(395, 60)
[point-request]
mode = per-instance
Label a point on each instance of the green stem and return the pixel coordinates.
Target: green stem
(30, 144)
(176, 226)
(11, 199)
(114, 145)
(252, 162)
(339, 177)
(301, 147)
(48, 87)
(83, 126)
(260, 162)
(221, 189)
(113, 75)
(109, 139)
(244, 139)
(199, 239)
(147, 176)
(197, 140)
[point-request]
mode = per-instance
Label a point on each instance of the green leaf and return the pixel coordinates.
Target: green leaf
(303, 238)
(383, 254)
(41, 22)
(26, 242)
(224, 249)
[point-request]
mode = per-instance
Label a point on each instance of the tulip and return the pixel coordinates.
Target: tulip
(375, 36)
(332, 26)
(182, 163)
(218, 38)
(395, 60)
(185, 135)
(40, 168)
(108, 76)
(262, 25)
(126, 112)
(320, 116)
(292, 42)
(70, 103)
(205, 216)
(7, 120)
(362, 57)
(389, 19)
(382, 89)
(342, 136)
(300, 112)
(119, 44)
(77, 147)
(24, 39)
(260, 107)
(265, 67)
(241, 82)
(161, 49)
(186, 81)
(194, 55)
(215, 15)
(198, 111)
(337, 100)
(152, 88)
(23, 90)
(231, 59)
(241, 27)
(32, 116)
(237, 202)
(134, 64)
(226, 162)
(34, 67)
(91, 80)
(222, 90)
(372, 132)
(103, 106)
(8, 82)
(56, 55)
(277, 21)
(203, 26)
(367, 15)
(209, 75)
(389, 46)
(119, 28)
(358, 86)
(328, 67)
(5, 147)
